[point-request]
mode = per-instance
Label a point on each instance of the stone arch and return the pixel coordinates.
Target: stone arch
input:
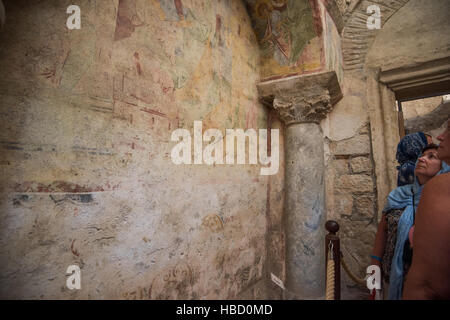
(357, 38)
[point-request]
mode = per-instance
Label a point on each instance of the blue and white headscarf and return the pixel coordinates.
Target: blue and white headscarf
(408, 151)
(404, 197)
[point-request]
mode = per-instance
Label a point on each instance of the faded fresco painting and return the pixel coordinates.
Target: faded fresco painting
(289, 34)
(332, 45)
(87, 175)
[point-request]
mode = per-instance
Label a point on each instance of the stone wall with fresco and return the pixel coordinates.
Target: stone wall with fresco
(87, 176)
(290, 34)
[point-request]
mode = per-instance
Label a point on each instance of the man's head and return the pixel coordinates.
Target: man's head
(444, 146)
(428, 164)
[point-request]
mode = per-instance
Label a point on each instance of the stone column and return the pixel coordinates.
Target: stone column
(301, 103)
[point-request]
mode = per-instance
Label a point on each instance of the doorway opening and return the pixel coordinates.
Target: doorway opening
(427, 114)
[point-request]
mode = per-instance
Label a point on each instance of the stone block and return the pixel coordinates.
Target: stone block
(352, 232)
(364, 208)
(357, 145)
(360, 164)
(340, 166)
(364, 130)
(343, 204)
(354, 183)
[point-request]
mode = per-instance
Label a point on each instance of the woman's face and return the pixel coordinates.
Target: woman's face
(428, 165)
(444, 146)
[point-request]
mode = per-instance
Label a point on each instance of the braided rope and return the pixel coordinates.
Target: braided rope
(359, 281)
(330, 280)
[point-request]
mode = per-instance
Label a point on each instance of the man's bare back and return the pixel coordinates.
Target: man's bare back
(429, 276)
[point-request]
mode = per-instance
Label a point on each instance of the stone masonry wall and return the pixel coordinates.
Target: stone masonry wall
(350, 180)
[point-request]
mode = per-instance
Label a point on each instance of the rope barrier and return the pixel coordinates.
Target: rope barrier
(356, 279)
(330, 280)
(333, 261)
(329, 293)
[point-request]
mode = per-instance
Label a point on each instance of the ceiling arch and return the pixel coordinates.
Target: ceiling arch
(357, 38)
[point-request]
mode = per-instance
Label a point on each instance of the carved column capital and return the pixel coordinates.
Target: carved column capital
(300, 99)
(299, 109)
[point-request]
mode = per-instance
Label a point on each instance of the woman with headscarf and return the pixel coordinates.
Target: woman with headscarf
(428, 277)
(408, 150)
(397, 220)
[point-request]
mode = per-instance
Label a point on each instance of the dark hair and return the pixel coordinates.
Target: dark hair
(430, 146)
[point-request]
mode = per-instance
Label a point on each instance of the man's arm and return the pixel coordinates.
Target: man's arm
(429, 275)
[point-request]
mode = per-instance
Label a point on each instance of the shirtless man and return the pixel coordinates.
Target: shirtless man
(429, 275)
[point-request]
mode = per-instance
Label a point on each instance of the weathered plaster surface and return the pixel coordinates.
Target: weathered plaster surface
(87, 179)
(349, 115)
(356, 37)
(415, 33)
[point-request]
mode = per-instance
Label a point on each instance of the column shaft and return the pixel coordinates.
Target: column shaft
(305, 210)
